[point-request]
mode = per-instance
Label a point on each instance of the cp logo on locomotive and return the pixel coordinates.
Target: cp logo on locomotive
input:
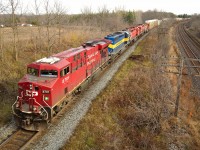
(31, 93)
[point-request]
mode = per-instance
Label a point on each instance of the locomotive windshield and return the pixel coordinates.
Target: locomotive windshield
(32, 71)
(49, 73)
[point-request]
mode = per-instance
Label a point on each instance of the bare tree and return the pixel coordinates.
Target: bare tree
(86, 10)
(14, 5)
(1, 43)
(117, 17)
(59, 14)
(38, 37)
(139, 17)
(49, 18)
(87, 15)
(2, 9)
(103, 13)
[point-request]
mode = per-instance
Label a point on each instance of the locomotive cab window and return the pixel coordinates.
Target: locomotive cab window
(49, 73)
(64, 72)
(32, 71)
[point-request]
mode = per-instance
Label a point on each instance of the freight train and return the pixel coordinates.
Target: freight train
(45, 89)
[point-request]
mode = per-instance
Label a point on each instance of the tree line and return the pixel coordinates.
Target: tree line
(13, 13)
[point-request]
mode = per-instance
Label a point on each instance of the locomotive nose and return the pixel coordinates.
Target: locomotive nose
(28, 89)
(28, 97)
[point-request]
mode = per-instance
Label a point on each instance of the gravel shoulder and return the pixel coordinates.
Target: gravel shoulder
(57, 135)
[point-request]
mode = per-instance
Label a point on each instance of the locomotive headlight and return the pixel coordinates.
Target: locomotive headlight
(46, 98)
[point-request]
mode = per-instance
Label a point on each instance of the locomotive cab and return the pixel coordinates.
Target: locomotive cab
(34, 100)
(45, 89)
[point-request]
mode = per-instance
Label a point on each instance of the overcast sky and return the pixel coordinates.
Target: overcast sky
(175, 6)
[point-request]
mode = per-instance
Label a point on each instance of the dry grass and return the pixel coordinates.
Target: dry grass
(26, 33)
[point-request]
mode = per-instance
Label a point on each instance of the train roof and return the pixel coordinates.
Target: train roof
(114, 35)
(149, 21)
(58, 61)
(51, 62)
(96, 42)
(70, 52)
(101, 43)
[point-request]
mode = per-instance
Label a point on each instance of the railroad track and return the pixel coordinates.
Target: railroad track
(190, 51)
(18, 140)
(189, 46)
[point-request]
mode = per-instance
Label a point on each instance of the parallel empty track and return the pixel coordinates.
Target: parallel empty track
(190, 50)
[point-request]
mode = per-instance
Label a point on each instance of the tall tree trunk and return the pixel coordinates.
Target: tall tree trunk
(14, 28)
(1, 45)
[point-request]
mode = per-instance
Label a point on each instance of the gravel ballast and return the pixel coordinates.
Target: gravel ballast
(57, 135)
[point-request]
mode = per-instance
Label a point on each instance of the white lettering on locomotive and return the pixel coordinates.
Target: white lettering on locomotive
(92, 55)
(34, 93)
(65, 80)
(31, 93)
(91, 61)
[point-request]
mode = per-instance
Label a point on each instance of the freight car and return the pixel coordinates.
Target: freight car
(43, 91)
(152, 23)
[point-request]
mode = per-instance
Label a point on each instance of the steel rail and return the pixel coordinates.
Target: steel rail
(184, 42)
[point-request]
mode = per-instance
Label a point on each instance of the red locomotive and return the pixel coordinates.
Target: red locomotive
(43, 91)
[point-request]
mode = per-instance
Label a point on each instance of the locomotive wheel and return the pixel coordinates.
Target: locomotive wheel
(57, 109)
(77, 91)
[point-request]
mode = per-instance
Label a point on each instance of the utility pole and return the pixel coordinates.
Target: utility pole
(178, 87)
(180, 73)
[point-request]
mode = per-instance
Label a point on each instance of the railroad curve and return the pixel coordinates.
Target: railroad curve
(190, 51)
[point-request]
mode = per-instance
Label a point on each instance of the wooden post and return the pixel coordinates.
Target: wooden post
(180, 74)
(178, 88)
